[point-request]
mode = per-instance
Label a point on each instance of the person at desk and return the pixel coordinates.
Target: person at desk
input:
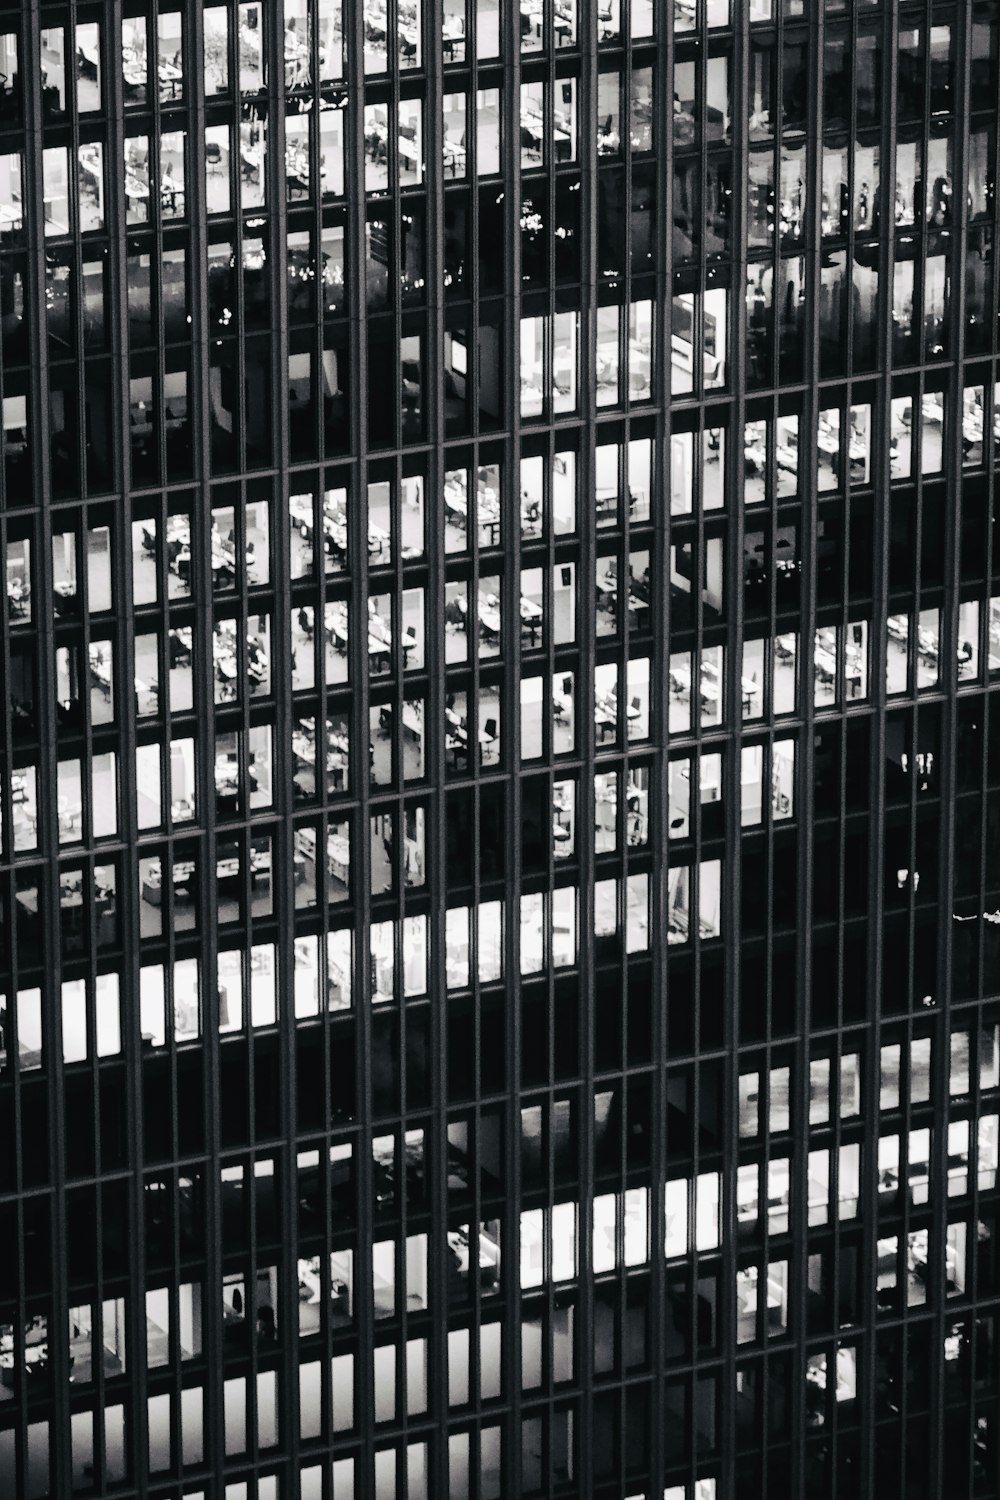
(451, 716)
(51, 96)
(171, 75)
(18, 596)
(375, 145)
(531, 133)
(256, 657)
(531, 511)
(168, 187)
(941, 202)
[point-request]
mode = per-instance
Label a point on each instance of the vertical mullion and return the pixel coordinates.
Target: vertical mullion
(47, 810)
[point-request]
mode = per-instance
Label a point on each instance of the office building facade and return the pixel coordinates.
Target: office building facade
(462, 1036)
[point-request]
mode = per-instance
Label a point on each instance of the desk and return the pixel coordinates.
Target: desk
(787, 458)
(338, 858)
(226, 665)
(18, 595)
(297, 168)
(100, 672)
(296, 62)
(36, 1350)
(857, 451)
(489, 1255)
(300, 510)
(65, 596)
(169, 190)
(90, 57)
(228, 868)
(488, 613)
(378, 542)
(336, 624)
(456, 501)
(379, 653)
(680, 680)
(227, 779)
(251, 161)
(139, 423)
(710, 689)
(335, 533)
(15, 442)
(68, 815)
(454, 159)
(27, 900)
(531, 618)
(825, 664)
(413, 720)
(606, 715)
(181, 877)
(488, 515)
(532, 398)
(90, 165)
(134, 70)
(972, 430)
(748, 1302)
(171, 78)
(304, 748)
(563, 24)
(927, 644)
(532, 130)
(136, 188)
(531, 515)
(452, 35)
(380, 645)
(407, 154)
(309, 1284)
(250, 38)
(457, 736)
(223, 560)
(607, 588)
(258, 661)
(412, 717)
(639, 609)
